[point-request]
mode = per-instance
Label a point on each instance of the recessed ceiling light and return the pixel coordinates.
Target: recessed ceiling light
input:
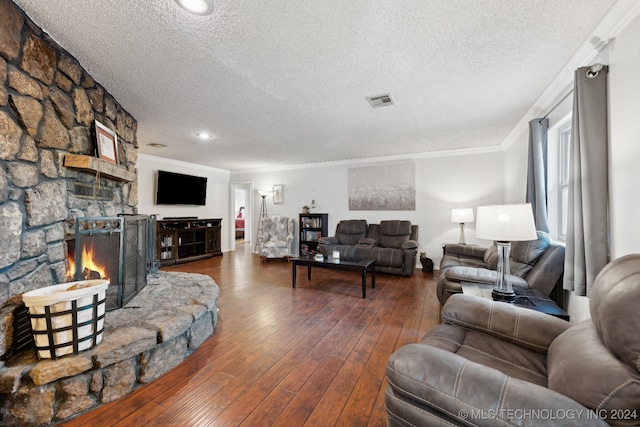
(157, 145)
(204, 135)
(197, 7)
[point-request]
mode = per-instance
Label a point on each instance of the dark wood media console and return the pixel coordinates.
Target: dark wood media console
(183, 240)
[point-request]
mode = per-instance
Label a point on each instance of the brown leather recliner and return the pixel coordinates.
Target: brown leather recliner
(348, 233)
(394, 246)
(536, 264)
(492, 363)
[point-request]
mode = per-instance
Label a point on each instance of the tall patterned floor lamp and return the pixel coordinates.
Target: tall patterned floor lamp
(263, 214)
(505, 224)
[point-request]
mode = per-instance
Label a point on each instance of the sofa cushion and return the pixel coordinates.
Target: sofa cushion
(523, 254)
(613, 304)
(349, 232)
(346, 251)
(454, 260)
(276, 244)
(509, 358)
(394, 233)
(479, 275)
(582, 368)
(388, 257)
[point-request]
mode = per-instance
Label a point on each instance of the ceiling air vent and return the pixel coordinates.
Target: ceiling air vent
(380, 100)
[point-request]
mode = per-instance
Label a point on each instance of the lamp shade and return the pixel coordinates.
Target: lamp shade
(263, 193)
(506, 223)
(461, 215)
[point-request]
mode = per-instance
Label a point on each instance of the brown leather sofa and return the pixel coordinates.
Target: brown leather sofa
(492, 363)
(535, 264)
(348, 234)
(393, 244)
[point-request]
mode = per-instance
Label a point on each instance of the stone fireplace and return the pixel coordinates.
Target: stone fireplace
(52, 189)
(49, 175)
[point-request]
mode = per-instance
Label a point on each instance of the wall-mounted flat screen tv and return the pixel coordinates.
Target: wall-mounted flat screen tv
(179, 189)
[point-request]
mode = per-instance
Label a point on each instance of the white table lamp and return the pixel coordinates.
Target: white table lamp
(505, 224)
(461, 216)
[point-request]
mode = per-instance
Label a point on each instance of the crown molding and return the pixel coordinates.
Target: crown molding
(356, 161)
(616, 20)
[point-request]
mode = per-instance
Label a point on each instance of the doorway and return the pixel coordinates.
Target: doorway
(241, 214)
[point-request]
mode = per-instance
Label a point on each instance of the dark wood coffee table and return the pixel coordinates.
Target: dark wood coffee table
(363, 265)
(528, 298)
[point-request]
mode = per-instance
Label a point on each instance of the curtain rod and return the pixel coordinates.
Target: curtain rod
(591, 73)
(556, 105)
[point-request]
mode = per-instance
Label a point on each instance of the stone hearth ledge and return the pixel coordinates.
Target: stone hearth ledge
(157, 330)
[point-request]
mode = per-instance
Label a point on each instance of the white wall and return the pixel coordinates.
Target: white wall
(442, 183)
(623, 57)
(624, 130)
(217, 202)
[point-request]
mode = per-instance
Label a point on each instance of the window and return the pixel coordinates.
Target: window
(558, 153)
(564, 140)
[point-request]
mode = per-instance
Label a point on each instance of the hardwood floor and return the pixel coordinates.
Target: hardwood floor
(312, 356)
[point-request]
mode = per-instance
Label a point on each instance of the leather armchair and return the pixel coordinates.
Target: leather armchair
(275, 237)
(492, 363)
(535, 264)
(348, 233)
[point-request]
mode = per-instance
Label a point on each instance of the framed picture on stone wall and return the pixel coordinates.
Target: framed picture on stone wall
(107, 143)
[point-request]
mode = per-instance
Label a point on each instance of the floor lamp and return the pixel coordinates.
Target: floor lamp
(505, 224)
(263, 214)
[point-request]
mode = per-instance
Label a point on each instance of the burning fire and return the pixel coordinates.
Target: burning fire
(90, 268)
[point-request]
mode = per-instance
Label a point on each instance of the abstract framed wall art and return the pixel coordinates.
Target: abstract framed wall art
(387, 186)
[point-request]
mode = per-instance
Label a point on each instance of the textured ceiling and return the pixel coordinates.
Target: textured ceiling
(285, 82)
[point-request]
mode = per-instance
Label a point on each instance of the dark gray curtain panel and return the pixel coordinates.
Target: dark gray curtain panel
(537, 172)
(587, 223)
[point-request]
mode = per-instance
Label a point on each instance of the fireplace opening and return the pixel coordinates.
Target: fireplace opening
(119, 249)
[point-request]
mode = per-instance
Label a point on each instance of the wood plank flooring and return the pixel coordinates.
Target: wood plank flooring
(310, 356)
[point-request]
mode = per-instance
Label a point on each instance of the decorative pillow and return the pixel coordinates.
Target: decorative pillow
(529, 251)
(523, 255)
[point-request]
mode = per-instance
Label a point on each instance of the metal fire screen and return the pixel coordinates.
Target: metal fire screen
(114, 248)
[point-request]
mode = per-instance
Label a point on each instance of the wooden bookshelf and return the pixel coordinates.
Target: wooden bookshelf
(312, 226)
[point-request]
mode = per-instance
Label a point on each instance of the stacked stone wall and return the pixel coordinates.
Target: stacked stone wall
(48, 104)
(167, 321)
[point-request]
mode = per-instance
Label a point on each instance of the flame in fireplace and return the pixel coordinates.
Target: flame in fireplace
(90, 268)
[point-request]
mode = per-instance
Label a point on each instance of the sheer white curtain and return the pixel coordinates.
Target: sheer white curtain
(587, 223)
